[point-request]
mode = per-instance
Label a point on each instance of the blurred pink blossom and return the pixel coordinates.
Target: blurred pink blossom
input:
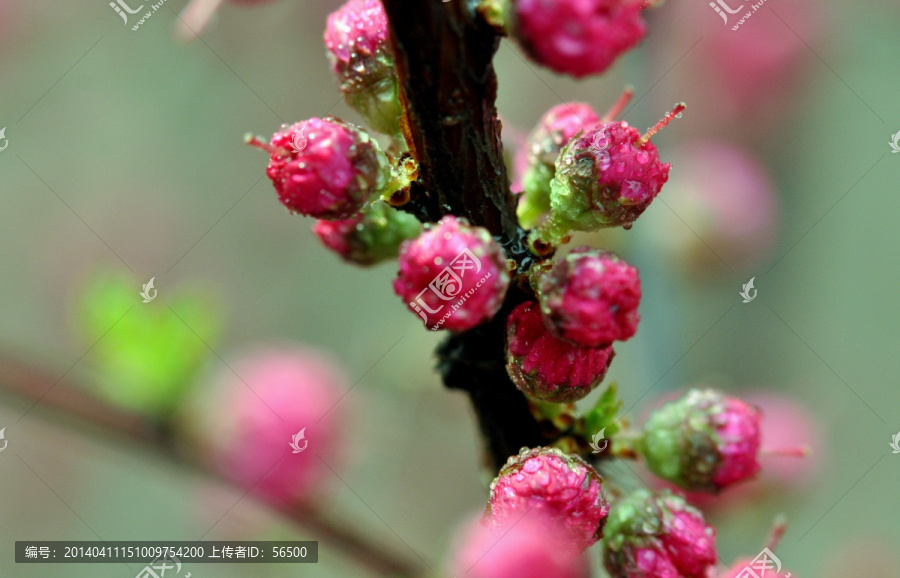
(276, 401)
(526, 550)
(724, 205)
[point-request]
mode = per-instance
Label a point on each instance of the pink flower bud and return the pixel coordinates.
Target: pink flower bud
(556, 128)
(590, 297)
(703, 441)
(548, 368)
(358, 42)
(355, 32)
(453, 276)
(606, 177)
(555, 488)
(529, 549)
(651, 536)
(275, 402)
(577, 37)
(325, 168)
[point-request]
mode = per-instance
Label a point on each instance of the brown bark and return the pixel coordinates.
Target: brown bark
(444, 53)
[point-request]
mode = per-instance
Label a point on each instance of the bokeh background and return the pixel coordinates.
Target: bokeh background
(125, 155)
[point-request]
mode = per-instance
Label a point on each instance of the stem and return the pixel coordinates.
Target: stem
(444, 53)
(797, 452)
(779, 527)
(664, 122)
(255, 141)
(616, 109)
(71, 402)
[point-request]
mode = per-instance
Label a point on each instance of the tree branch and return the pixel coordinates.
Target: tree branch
(74, 405)
(444, 53)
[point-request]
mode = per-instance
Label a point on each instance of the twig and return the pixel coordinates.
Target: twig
(79, 408)
(444, 54)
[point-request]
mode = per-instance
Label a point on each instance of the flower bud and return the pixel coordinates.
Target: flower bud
(589, 297)
(528, 549)
(577, 37)
(270, 420)
(453, 276)
(555, 129)
(726, 198)
(370, 237)
(702, 441)
(553, 487)
(358, 43)
(604, 178)
(651, 536)
(325, 168)
(548, 368)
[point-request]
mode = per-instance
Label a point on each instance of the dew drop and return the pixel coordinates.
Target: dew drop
(603, 160)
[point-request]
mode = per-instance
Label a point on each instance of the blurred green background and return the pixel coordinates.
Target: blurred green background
(125, 153)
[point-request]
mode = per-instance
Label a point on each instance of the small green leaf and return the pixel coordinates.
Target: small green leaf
(604, 412)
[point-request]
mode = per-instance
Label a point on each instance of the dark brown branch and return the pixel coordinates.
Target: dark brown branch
(444, 57)
(444, 53)
(76, 407)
